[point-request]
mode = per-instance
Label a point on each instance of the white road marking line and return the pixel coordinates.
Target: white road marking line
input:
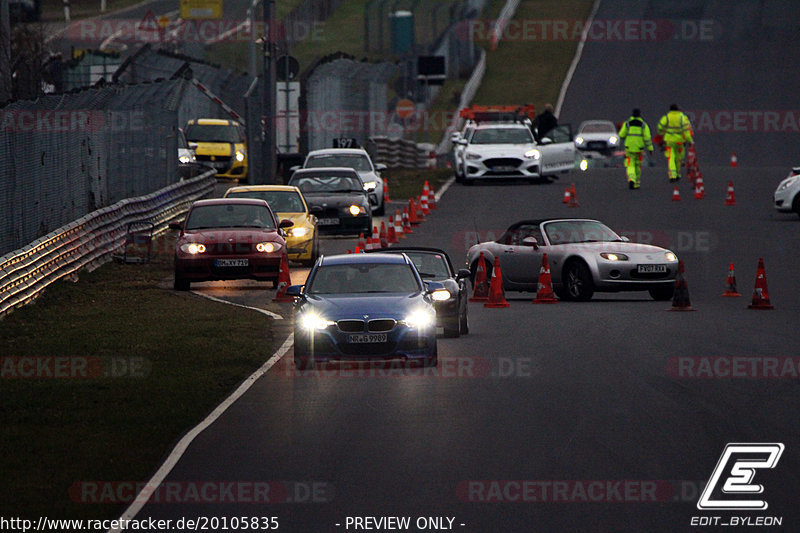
(183, 445)
(578, 52)
(443, 188)
(220, 300)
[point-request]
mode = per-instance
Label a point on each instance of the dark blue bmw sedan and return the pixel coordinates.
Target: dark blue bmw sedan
(361, 307)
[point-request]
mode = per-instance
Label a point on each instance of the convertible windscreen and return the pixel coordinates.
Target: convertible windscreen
(364, 278)
(429, 266)
(568, 232)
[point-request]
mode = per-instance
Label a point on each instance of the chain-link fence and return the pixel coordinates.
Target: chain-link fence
(345, 98)
(62, 156)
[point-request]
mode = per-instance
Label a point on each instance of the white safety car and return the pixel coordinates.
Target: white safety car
(787, 195)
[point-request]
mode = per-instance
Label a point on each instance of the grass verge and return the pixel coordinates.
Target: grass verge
(405, 183)
(156, 361)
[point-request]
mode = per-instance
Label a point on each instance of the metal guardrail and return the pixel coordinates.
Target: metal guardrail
(90, 240)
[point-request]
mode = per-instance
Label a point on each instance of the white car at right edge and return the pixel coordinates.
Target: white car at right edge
(787, 195)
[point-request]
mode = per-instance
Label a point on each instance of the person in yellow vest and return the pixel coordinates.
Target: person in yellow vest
(677, 132)
(636, 134)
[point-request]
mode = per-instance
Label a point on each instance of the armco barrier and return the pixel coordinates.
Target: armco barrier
(395, 152)
(90, 240)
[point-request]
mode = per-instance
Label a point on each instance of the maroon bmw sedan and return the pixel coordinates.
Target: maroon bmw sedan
(228, 239)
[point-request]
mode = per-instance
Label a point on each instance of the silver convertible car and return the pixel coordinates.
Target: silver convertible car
(585, 257)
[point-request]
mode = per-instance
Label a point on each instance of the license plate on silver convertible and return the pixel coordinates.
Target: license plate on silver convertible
(651, 269)
(362, 338)
(231, 262)
(328, 221)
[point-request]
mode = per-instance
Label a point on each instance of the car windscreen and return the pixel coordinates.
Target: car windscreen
(213, 133)
(502, 136)
(230, 216)
(364, 278)
(328, 183)
(574, 231)
(429, 265)
(598, 127)
(355, 161)
(279, 201)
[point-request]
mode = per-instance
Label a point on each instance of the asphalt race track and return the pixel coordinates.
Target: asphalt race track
(608, 415)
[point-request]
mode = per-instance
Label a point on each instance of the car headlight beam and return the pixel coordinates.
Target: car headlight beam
(370, 185)
(612, 140)
(610, 256)
(787, 183)
(421, 319)
(239, 156)
(671, 257)
(441, 295)
(193, 248)
(579, 140)
(267, 247)
(473, 156)
(533, 154)
(312, 321)
(356, 210)
(298, 232)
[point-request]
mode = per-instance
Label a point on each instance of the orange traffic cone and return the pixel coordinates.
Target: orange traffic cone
(284, 280)
(545, 295)
(680, 299)
(431, 197)
(426, 190)
(386, 198)
(734, 160)
(383, 240)
(413, 218)
(407, 222)
(699, 188)
(567, 196)
(760, 292)
(398, 224)
(730, 283)
(497, 297)
(391, 233)
(362, 244)
(730, 198)
(676, 194)
(573, 197)
(420, 212)
(358, 250)
(480, 288)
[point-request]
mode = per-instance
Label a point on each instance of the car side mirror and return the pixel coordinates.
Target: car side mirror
(625, 239)
(380, 166)
(295, 290)
(373, 198)
(175, 226)
(455, 136)
(462, 142)
(286, 223)
(531, 241)
(295, 167)
(463, 273)
(316, 209)
(193, 146)
(546, 140)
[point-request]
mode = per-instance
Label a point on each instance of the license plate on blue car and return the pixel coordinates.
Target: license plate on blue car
(363, 338)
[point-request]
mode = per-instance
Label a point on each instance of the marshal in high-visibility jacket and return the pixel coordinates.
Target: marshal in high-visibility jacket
(677, 131)
(636, 134)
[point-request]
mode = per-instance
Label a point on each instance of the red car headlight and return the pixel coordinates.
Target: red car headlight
(193, 248)
(268, 247)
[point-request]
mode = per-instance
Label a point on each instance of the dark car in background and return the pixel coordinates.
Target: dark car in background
(434, 264)
(228, 238)
(337, 197)
(363, 307)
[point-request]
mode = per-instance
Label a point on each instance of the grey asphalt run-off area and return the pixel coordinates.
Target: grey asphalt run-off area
(566, 395)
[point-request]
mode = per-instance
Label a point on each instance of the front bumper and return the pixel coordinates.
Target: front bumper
(331, 344)
(300, 248)
(348, 225)
(784, 200)
(502, 168)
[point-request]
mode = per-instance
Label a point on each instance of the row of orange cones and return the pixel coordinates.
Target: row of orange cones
(492, 294)
(571, 196)
(401, 223)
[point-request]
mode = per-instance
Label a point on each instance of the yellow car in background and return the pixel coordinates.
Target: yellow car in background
(220, 144)
(287, 202)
